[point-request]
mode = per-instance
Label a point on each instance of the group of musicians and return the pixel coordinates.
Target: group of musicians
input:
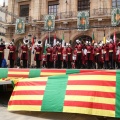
(84, 55)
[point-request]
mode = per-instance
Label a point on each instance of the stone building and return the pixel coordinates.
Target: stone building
(65, 12)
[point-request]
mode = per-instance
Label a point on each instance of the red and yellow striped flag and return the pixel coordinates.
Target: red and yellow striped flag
(89, 92)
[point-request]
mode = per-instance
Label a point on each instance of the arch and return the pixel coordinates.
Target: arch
(82, 38)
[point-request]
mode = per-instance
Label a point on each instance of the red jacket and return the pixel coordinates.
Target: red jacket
(2, 51)
(39, 52)
(24, 51)
(69, 52)
(49, 52)
(12, 49)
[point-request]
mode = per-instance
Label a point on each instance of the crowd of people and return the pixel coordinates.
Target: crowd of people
(83, 56)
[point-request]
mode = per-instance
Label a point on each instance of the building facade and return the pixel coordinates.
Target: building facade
(65, 11)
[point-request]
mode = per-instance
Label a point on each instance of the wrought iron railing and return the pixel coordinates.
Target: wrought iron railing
(100, 12)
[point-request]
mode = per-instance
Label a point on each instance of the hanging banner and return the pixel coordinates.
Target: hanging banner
(115, 16)
(20, 26)
(49, 22)
(83, 20)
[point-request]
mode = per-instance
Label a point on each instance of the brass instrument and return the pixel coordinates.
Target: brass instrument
(25, 41)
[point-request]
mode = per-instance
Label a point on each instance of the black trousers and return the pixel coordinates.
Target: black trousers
(11, 63)
(64, 64)
(59, 61)
(79, 60)
(24, 63)
(89, 62)
(111, 59)
(48, 61)
(37, 63)
(0, 59)
(97, 60)
(69, 62)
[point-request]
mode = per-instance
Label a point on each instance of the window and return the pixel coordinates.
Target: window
(115, 3)
(53, 7)
(83, 5)
(24, 10)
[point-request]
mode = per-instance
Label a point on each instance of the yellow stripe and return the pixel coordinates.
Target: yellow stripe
(89, 111)
(34, 79)
(27, 97)
(90, 99)
(18, 73)
(93, 77)
(24, 107)
(91, 88)
(50, 73)
(29, 88)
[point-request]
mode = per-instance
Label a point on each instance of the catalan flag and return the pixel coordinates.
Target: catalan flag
(89, 92)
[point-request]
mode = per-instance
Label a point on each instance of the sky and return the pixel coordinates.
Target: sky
(1, 2)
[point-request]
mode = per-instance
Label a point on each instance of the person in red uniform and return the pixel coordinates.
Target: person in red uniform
(89, 54)
(49, 55)
(44, 61)
(97, 51)
(59, 54)
(69, 55)
(38, 53)
(11, 56)
(54, 56)
(79, 48)
(24, 55)
(2, 47)
(64, 55)
(111, 54)
(75, 58)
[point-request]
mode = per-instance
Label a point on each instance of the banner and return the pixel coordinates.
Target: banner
(49, 22)
(83, 20)
(115, 16)
(20, 26)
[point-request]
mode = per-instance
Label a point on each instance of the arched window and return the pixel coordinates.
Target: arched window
(83, 5)
(115, 3)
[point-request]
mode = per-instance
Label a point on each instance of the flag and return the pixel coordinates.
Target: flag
(33, 42)
(63, 40)
(93, 38)
(114, 38)
(46, 42)
(104, 39)
(89, 92)
(54, 43)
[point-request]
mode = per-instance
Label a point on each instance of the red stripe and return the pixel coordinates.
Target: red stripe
(18, 70)
(17, 75)
(98, 72)
(91, 93)
(90, 105)
(95, 73)
(92, 82)
(35, 83)
(25, 102)
(54, 70)
(28, 92)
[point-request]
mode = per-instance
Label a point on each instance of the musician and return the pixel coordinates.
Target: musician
(79, 48)
(11, 56)
(89, 54)
(69, 55)
(111, 53)
(59, 54)
(54, 56)
(38, 53)
(24, 55)
(49, 55)
(74, 57)
(44, 61)
(2, 47)
(64, 55)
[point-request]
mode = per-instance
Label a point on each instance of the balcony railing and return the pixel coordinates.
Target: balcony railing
(100, 12)
(63, 15)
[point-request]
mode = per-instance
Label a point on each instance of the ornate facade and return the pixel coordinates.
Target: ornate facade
(65, 12)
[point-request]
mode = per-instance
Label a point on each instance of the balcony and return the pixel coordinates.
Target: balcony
(63, 15)
(100, 12)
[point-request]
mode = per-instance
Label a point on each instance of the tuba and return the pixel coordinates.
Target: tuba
(39, 43)
(25, 41)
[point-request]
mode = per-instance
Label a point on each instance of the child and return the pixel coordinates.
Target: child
(44, 60)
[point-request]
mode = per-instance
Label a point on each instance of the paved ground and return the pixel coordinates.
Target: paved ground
(5, 115)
